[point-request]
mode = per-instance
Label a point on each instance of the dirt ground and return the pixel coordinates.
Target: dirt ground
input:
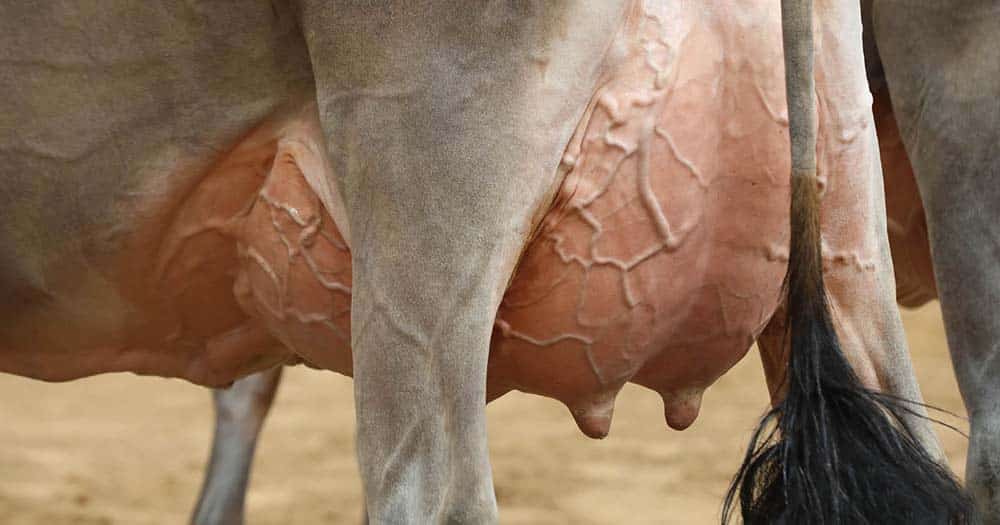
(128, 450)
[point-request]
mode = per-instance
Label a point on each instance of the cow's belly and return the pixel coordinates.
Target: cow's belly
(154, 294)
(658, 263)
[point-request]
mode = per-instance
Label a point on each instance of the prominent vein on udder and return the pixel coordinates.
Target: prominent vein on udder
(649, 200)
(323, 281)
(507, 331)
(315, 318)
(265, 266)
(663, 134)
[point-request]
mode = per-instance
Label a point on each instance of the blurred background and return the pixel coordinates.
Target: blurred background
(122, 449)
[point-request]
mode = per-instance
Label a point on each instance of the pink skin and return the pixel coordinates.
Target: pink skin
(640, 272)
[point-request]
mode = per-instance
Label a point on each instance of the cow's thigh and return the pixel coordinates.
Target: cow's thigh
(239, 416)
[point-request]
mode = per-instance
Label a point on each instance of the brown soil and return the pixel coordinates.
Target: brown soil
(130, 450)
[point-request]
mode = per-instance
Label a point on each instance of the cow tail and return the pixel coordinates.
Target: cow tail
(832, 452)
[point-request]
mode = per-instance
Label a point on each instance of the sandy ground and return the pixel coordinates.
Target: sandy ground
(130, 450)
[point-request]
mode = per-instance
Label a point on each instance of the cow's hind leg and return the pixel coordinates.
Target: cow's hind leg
(239, 415)
(446, 142)
(944, 79)
(975, 349)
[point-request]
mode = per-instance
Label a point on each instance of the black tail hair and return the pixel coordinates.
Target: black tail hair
(832, 452)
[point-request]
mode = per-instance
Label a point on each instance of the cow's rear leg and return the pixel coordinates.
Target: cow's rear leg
(445, 138)
(966, 249)
(944, 93)
(958, 177)
(239, 415)
(973, 331)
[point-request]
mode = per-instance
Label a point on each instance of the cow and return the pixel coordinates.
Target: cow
(449, 204)
(937, 78)
(240, 410)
